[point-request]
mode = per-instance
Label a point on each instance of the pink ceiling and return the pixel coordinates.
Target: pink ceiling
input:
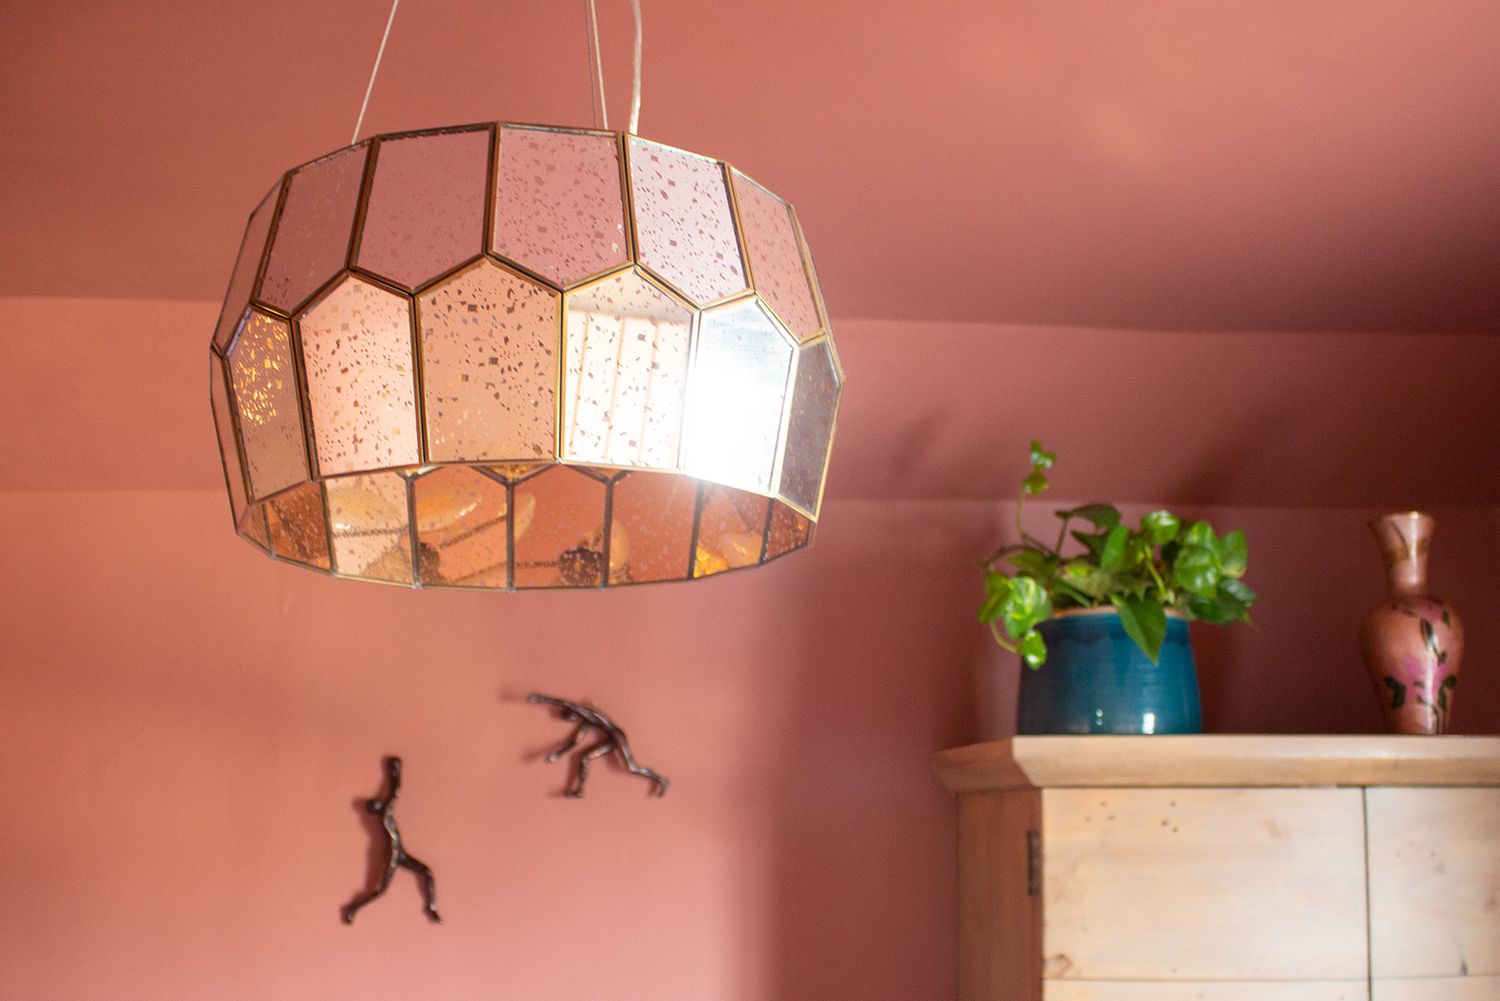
(1266, 164)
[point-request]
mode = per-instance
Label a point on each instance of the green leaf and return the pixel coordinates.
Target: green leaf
(997, 590)
(1034, 484)
(1199, 533)
(1091, 541)
(1233, 554)
(1196, 570)
(1089, 579)
(1101, 516)
(1025, 606)
(1040, 457)
(1033, 649)
(1113, 557)
(1398, 692)
(1145, 622)
(1034, 562)
(1160, 527)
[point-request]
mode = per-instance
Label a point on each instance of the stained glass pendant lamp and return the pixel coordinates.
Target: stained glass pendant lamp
(508, 356)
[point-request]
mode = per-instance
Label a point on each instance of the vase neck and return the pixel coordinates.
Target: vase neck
(1404, 540)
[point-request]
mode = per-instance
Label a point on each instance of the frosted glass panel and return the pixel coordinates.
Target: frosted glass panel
(426, 209)
(356, 345)
(684, 225)
(731, 530)
(563, 545)
(627, 356)
(651, 531)
(218, 395)
(312, 239)
(462, 528)
(489, 367)
(252, 249)
(265, 395)
(815, 398)
(367, 516)
(776, 256)
(298, 529)
(559, 207)
(738, 394)
(789, 530)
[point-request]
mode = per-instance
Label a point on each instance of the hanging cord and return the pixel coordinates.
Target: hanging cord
(374, 70)
(596, 68)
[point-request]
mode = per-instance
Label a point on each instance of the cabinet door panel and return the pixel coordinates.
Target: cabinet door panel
(1434, 882)
(1204, 884)
(1321, 990)
(1439, 989)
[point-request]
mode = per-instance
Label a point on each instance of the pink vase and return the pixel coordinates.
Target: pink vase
(1412, 642)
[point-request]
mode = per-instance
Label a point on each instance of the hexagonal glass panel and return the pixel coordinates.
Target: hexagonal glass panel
(462, 528)
(298, 530)
(627, 357)
(563, 544)
(229, 453)
(425, 214)
(489, 366)
(357, 353)
(815, 400)
(731, 530)
(368, 520)
(789, 530)
(738, 395)
(265, 396)
(246, 266)
(559, 207)
(776, 257)
(311, 241)
(684, 226)
(651, 527)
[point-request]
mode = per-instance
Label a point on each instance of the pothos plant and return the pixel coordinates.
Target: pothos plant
(1142, 572)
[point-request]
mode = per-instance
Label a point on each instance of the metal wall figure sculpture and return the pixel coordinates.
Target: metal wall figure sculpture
(611, 739)
(396, 855)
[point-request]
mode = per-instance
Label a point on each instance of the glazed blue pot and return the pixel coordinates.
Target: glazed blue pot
(1096, 680)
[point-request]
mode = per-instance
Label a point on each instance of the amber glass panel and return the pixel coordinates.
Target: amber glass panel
(731, 530)
(367, 516)
(312, 238)
(462, 524)
(298, 531)
(738, 395)
(815, 400)
(489, 367)
(254, 528)
(627, 357)
(252, 249)
(265, 395)
(356, 346)
(788, 530)
(651, 527)
(559, 208)
(684, 226)
(563, 546)
(218, 396)
(776, 256)
(426, 209)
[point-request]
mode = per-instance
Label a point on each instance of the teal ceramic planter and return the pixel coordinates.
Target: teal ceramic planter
(1096, 680)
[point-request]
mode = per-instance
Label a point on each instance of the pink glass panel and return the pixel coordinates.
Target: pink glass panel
(776, 256)
(684, 227)
(252, 249)
(265, 395)
(218, 395)
(789, 530)
(426, 208)
(731, 530)
(356, 347)
(254, 528)
(559, 208)
(651, 527)
(815, 400)
(462, 526)
(489, 367)
(312, 239)
(298, 530)
(738, 395)
(563, 545)
(367, 517)
(627, 356)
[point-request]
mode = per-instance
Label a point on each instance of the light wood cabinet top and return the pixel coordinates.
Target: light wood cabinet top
(1207, 760)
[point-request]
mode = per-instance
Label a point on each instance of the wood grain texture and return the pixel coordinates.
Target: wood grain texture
(1172, 761)
(1435, 883)
(1438, 989)
(1196, 884)
(1312, 990)
(999, 923)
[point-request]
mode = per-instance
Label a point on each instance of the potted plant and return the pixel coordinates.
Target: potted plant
(1109, 619)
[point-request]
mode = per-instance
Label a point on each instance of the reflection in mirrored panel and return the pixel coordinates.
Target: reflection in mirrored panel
(253, 527)
(563, 544)
(651, 528)
(627, 358)
(311, 240)
(776, 256)
(367, 517)
(462, 528)
(229, 453)
(731, 530)
(684, 225)
(815, 399)
(265, 397)
(298, 530)
(738, 395)
(789, 530)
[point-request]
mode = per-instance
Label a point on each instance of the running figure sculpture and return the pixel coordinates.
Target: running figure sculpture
(611, 738)
(396, 856)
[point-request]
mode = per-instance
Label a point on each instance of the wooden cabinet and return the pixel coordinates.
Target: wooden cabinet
(1211, 868)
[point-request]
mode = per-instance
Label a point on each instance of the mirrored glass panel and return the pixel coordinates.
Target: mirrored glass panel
(776, 256)
(298, 530)
(265, 396)
(789, 530)
(311, 241)
(651, 528)
(462, 528)
(367, 516)
(731, 530)
(229, 453)
(563, 544)
(242, 280)
(684, 225)
(815, 399)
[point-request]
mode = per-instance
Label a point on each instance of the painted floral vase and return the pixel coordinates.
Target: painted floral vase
(1412, 641)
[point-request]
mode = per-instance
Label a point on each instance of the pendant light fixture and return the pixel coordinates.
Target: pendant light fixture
(509, 356)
